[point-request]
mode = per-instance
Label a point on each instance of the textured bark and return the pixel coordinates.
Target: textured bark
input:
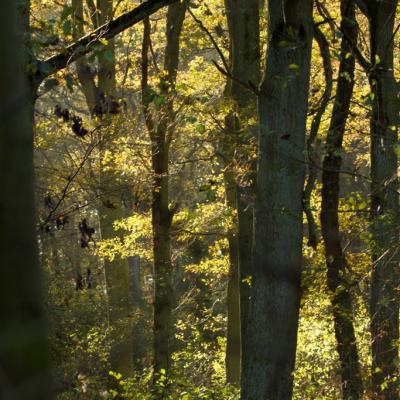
(272, 331)
(243, 21)
(384, 306)
(352, 387)
(161, 135)
(24, 356)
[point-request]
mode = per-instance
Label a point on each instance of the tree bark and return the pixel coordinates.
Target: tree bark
(24, 353)
(161, 134)
(233, 335)
(313, 157)
(352, 387)
(272, 331)
(384, 303)
(244, 30)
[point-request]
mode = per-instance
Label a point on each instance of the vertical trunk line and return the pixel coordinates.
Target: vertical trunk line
(352, 386)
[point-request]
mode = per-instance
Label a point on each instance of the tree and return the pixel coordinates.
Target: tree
(384, 300)
(335, 258)
(24, 355)
(161, 132)
(243, 78)
(272, 330)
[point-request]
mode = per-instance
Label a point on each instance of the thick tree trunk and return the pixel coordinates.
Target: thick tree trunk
(24, 355)
(244, 31)
(272, 331)
(384, 305)
(352, 387)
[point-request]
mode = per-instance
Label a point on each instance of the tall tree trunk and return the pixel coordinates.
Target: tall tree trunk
(233, 336)
(161, 134)
(99, 98)
(384, 306)
(272, 331)
(352, 387)
(24, 355)
(244, 31)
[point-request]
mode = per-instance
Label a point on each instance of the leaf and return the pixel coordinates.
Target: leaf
(66, 12)
(205, 187)
(159, 100)
(108, 55)
(50, 84)
(67, 27)
(45, 68)
(103, 41)
(201, 128)
(293, 67)
(69, 80)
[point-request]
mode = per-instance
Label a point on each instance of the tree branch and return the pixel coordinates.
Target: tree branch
(107, 31)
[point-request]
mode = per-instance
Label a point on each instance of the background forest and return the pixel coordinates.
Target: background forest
(214, 212)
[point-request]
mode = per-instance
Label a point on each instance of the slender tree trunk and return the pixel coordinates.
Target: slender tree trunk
(161, 134)
(24, 352)
(244, 31)
(352, 387)
(161, 222)
(232, 359)
(272, 331)
(384, 306)
(313, 156)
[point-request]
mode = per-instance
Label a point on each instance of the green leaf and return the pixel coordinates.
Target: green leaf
(66, 12)
(67, 27)
(108, 55)
(50, 84)
(159, 100)
(45, 68)
(201, 128)
(69, 80)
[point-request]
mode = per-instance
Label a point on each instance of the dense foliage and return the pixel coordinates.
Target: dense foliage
(139, 146)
